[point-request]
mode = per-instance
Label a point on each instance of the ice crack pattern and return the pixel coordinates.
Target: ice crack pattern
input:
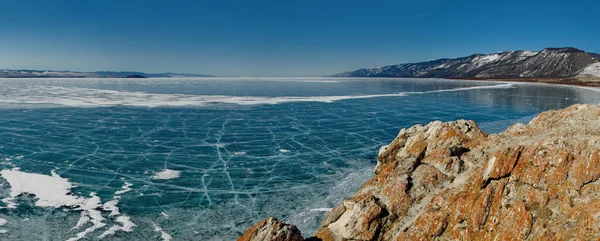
(156, 171)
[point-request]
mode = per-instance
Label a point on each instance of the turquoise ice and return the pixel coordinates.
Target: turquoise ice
(206, 158)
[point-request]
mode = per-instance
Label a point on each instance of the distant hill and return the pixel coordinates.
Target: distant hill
(136, 76)
(550, 62)
(24, 73)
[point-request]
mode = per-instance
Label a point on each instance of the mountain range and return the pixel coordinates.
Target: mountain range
(7, 73)
(549, 62)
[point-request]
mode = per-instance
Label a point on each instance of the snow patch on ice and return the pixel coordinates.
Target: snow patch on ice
(165, 236)
(51, 191)
(127, 226)
(2, 223)
(166, 174)
(111, 206)
(126, 188)
(54, 192)
(93, 216)
(85, 218)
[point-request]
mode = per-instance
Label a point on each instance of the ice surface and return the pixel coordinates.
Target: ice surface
(42, 95)
(238, 163)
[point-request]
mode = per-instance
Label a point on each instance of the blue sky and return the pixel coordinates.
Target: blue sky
(279, 38)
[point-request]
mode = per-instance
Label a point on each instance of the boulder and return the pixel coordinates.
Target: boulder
(272, 229)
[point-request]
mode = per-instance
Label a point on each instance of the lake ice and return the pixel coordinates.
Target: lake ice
(205, 158)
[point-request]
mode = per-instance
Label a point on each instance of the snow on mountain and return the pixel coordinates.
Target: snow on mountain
(550, 62)
(592, 70)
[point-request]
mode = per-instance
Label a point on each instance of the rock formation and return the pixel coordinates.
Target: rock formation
(272, 229)
(451, 181)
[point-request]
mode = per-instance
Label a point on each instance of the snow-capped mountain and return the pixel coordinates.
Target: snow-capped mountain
(7, 73)
(550, 62)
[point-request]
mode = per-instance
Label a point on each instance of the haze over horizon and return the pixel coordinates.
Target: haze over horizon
(279, 38)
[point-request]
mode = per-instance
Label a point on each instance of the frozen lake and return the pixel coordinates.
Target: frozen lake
(205, 158)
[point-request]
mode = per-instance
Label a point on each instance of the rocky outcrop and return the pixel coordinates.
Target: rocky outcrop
(272, 229)
(450, 181)
(548, 63)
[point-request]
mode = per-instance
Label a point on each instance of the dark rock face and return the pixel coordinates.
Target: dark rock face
(451, 181)
(550, 62)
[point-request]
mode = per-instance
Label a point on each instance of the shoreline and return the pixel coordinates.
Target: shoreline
(570, 81)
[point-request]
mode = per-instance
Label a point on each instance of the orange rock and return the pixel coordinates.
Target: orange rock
(502, 163)
(585, 170)
(273, 230)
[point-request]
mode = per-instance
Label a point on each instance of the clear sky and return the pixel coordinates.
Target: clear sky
(280, 37)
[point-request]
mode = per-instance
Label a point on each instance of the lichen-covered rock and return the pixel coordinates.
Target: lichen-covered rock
(450, 181)
(360, 219)
(420, 162)
(271, 229)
